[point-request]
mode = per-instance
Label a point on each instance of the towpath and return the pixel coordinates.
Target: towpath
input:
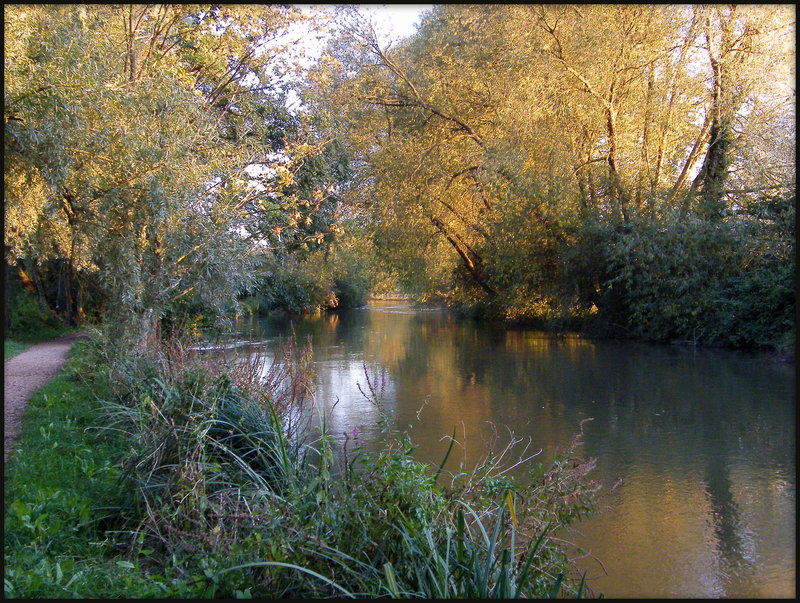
(24, 375)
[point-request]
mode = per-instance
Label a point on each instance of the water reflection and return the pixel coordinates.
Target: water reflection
(703, 440)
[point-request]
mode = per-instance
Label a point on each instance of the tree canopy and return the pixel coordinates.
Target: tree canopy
(629, 167)
(150, 147)
(507, 153)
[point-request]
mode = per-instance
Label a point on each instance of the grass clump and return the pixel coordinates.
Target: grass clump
(13, 348)
(206, 480)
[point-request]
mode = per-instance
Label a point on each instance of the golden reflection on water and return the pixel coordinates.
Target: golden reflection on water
(703, 441)
(667, 534)
(539, 341)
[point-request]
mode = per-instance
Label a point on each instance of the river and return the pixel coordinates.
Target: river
(700, 443)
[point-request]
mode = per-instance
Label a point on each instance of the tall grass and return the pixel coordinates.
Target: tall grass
(225, 490)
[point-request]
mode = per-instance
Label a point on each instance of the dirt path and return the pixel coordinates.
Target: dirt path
(26, 373)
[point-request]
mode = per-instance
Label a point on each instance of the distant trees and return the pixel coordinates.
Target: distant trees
(508, 153)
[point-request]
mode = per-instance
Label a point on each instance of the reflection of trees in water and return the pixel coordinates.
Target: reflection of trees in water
(669, 402)
(708, 422)
(725, 521)
(665, 400)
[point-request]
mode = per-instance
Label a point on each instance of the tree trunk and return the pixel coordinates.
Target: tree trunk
(673, 92)
(711, 179)
(694, 154)
(6, 321)
(726, 99)
(24, 278)
(644, 170)
(68, 293)
(471, 265)
(617, 194)
(79, 313)
(32, 282)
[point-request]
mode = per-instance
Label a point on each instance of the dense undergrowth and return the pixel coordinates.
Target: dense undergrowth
(32, 322)
(668, 278)
(163, 472)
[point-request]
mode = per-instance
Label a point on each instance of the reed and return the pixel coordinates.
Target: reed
(225, 490)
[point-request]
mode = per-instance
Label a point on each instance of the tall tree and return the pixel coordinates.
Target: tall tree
(131, 134)
(739, 44)
(486, 145)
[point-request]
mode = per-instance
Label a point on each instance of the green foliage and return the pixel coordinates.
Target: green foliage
(155, 171)
(13, 348)
(60, 484)
(557, 191)
(701, 282)
(201, 481)
(295, 284)
(340, 276)
(189, 315)
(31, 322)
(658, 277)
(356, 267)
(760, 307)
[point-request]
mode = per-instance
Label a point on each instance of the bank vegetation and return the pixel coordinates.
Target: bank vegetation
(624, 170)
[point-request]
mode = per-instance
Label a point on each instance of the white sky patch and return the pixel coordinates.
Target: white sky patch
(394, 21)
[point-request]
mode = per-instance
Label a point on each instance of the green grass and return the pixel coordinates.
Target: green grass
(198, 491)
(13, 348)
(60, 490)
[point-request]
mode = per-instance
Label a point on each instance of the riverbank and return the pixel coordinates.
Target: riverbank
(125, 487)
(593, 328)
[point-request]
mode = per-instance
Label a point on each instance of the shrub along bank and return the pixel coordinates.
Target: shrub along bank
(668, 278)
(164, 473)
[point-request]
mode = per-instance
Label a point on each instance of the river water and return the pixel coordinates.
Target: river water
(699, 443)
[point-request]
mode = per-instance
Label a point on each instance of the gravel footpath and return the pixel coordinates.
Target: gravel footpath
(26, 373)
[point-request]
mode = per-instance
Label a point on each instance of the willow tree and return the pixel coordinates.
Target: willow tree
(419, 129)
(746, 55)
(491, 141)
(131, 135)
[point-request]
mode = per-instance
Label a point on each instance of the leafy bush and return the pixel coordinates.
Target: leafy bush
(700, 282)
(29, 321)
(294, 284)
(356, 267)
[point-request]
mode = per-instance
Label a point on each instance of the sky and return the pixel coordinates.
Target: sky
(391, 20)
(398, 20)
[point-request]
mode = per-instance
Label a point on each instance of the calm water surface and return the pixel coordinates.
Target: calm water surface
(703, 441)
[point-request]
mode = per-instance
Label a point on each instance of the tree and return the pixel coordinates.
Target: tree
(731, 41)
(130, 136)
(504, 152)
